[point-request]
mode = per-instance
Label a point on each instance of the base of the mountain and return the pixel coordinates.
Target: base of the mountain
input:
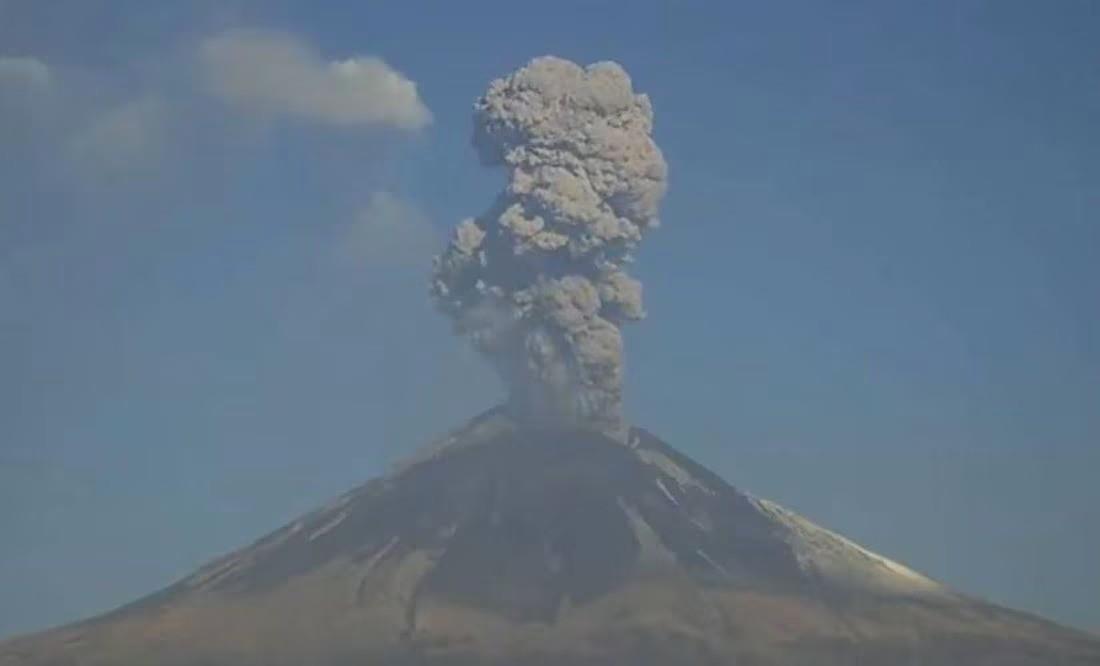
(504, 546)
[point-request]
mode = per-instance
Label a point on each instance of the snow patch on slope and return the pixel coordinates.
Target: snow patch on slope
(844, 564)
(651, 551)
(671, 469)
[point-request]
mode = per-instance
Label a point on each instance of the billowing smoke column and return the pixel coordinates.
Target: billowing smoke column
(538, 282)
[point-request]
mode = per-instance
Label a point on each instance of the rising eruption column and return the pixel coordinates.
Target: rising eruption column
(538, 282)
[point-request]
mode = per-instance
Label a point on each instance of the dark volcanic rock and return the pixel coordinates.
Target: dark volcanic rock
(510, 546)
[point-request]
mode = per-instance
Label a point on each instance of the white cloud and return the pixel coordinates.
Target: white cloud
(127, 138)
(389, 232)
(27, 72)
(76, 123)
(273, 73)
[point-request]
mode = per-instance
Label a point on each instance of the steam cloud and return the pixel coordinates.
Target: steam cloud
(538, 282)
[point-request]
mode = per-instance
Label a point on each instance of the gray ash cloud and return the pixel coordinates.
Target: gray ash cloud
(538, 282)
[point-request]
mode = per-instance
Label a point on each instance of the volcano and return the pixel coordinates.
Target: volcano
(503, 544)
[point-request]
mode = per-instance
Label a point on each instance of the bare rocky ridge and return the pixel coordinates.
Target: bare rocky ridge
(504, 545)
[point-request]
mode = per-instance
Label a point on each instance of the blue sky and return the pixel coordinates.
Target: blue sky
(873, 297)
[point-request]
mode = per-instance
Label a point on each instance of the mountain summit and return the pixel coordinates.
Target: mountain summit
(504, 544)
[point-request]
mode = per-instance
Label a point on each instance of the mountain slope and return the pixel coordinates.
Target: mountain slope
(504, 545)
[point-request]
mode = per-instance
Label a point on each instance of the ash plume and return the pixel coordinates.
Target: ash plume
(538, 282)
